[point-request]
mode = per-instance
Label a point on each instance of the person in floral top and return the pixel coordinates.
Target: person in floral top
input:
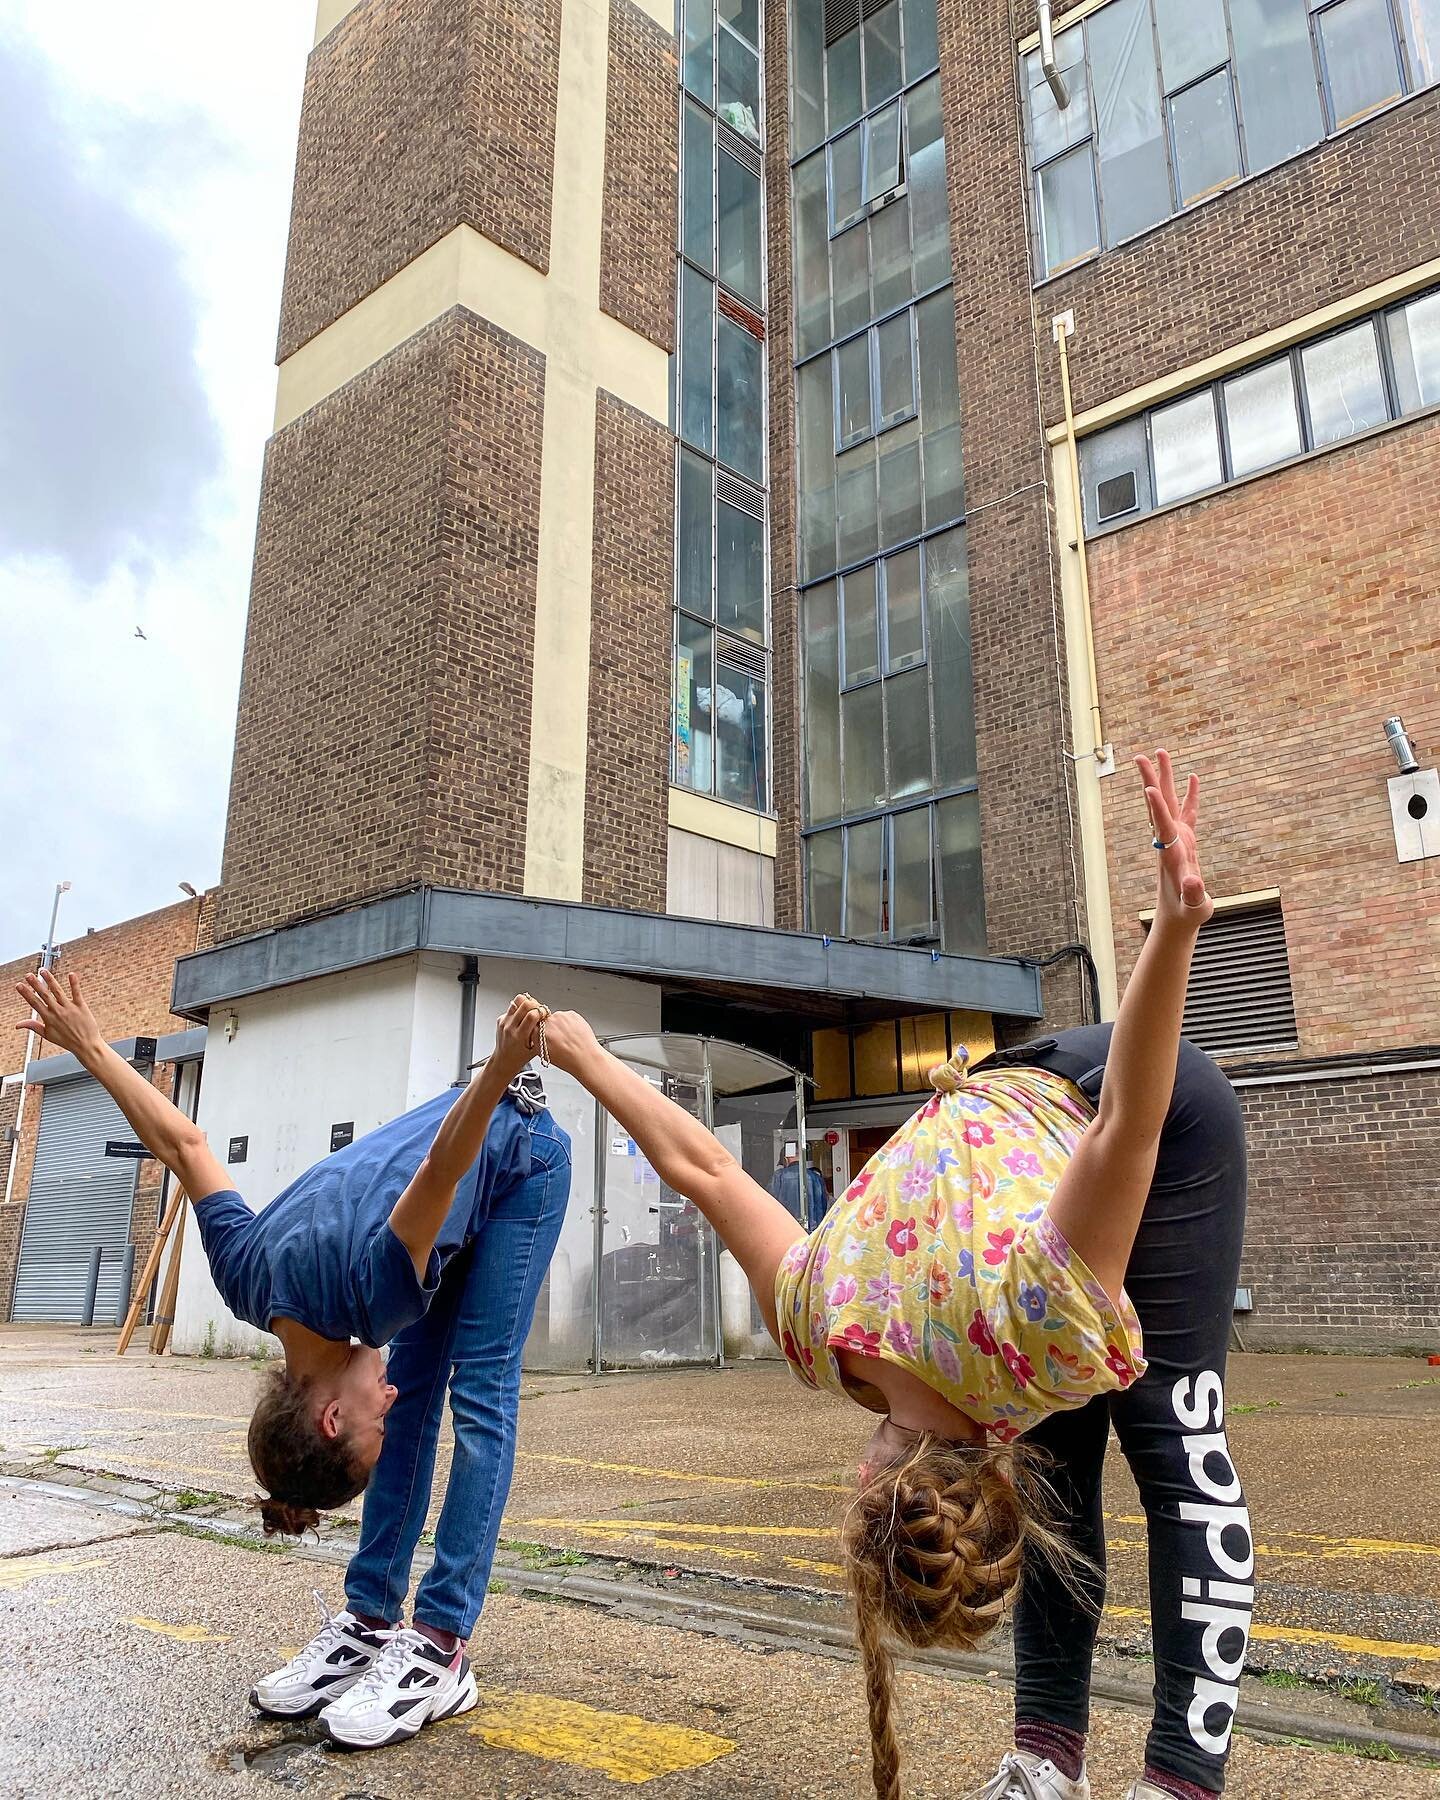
(1049, 1246)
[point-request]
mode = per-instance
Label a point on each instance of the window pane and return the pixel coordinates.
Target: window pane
(939, 385)
(697, 323)
(739, 87)
(1422, 33)
(1051, 130)
(862, 627)
(944, 476)
(1115, 473)
(896, 371)
(925, 176)
(852, 381)
(693, 552)
(900, 485)
(693, 740)
(822, 704)
(807, 90)
(1192, 39)
(739, 738)
(850, 280)
(1275, 70)
(812, 258)
(845, 198)
(824, 854)
(1261, 417)
(863, 883)
(1207, 155)
(700, 49)
(740, 401)
(904, 624)
(891, 269)
(922, 42)
(947, 596)
(856, 523)
(962, 895)
(1362, 70)
(1069, 228)
(912, 906)
(907, 732)
(882, 55)
(1343, 388)
(1134, 178)
(1186, 448)
(842, 65)
(699, 225)
(739, 572)
(863, 777)
(1415, 347)
(740, 230)
(815, 413)
(743, 16)
(882, 152)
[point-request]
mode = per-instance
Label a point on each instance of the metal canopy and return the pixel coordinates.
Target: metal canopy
(732, 1068)
(174, 1047)
(828, 979)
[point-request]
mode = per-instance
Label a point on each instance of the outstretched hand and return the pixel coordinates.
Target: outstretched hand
(1182, 894)
(62, 1016)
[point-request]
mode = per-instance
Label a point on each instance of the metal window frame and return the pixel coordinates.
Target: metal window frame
(871, 334)
(870, 204)
(717, 25)
(1222, 409)
(907, 81)
(1334, 125)
(1183, 202)
(1387, 380)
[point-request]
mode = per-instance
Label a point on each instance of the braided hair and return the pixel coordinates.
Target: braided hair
(933, 1549)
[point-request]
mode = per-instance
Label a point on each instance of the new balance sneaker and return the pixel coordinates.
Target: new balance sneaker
(410, 1683)
(334, 1659)
(1025, 1777)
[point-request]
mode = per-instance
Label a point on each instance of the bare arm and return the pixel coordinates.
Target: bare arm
(1101, 1196)
(65, 1020)
(752, 1224)
(420, 1211)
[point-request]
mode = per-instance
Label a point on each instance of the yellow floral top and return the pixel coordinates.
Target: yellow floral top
(941, 1258)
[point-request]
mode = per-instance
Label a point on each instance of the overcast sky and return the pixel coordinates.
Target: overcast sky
(146, 154)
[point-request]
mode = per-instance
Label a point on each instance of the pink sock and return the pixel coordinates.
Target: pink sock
(1177, 1787)
(1064, 1748)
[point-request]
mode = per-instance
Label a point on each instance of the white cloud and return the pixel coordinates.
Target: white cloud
(171, 141)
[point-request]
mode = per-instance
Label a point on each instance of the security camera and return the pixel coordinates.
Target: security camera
(1399, 742)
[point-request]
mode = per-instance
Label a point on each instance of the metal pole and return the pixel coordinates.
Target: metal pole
(92, 1282)
(127, 1276)
(602, 1120)
(47, 959)
(707, 1230)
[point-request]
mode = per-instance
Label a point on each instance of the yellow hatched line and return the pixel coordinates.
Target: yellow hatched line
(622, 1747)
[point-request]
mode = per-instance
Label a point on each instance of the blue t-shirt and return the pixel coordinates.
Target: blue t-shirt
(323, 1253)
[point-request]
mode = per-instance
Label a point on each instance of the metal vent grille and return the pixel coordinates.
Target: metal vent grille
(1116, 497)
(734, 145)
(738, 654)
(1240, 996)
(844, 15)
(739, 494)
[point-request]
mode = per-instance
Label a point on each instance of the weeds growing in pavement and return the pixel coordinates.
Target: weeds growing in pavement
(542, 1556)
(1256, 1406)
(188, 1499)
(1363, 1690)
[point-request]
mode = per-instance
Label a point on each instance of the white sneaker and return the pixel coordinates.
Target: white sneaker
(334, 1659)
(1022, 1776)
(411, 1682)
(1145, 1790)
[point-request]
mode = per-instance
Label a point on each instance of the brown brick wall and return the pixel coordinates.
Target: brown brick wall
(642, 128)
(1264, 634)
(419, 115)
(1342, 1248)
(385, 695)
(627, 753)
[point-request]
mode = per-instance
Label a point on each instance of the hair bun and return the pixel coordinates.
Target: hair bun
(283, 1518)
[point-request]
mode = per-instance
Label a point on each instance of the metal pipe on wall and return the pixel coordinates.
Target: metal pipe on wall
(1049, 68)
(469, 981)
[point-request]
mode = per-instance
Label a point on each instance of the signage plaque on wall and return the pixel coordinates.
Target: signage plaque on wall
(239, 1149)
(341, 1135)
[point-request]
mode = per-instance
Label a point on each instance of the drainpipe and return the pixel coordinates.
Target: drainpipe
(469, 981)
(1063, 325)
(1048, 66)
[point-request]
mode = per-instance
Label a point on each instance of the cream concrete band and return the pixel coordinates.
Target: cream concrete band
(1313, 324)
(707, 818)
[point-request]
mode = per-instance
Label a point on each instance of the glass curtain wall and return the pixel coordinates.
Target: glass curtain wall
(892, 819)
(720, 741)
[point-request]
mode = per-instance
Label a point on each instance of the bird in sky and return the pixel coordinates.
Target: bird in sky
(140, 634)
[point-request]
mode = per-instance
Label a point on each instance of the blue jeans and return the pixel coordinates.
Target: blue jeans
(473, 1336)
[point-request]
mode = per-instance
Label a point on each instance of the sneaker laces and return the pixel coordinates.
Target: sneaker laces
(1011, 1781)
(386, 1666)
(332, 1629)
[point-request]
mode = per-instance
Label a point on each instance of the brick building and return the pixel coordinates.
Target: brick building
(698, 580)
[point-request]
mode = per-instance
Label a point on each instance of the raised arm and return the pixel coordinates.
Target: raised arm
(752, 1225)
(64, 1019)
(1101, 1196)
(420, 1211)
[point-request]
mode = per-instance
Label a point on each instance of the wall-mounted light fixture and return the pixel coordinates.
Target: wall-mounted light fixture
(232, 1025)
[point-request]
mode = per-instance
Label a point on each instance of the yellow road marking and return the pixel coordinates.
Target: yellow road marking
(730, 1481)
(45, 1404)
(18, 1571)
(619, 1746)
(1331, 1640)
(1332, 1546)
(185, 1634)
(698, 1530)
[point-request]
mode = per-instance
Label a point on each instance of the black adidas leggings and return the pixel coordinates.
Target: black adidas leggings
(1171, 1426)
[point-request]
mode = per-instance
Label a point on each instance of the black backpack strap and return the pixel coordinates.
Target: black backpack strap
(1048, 1053)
